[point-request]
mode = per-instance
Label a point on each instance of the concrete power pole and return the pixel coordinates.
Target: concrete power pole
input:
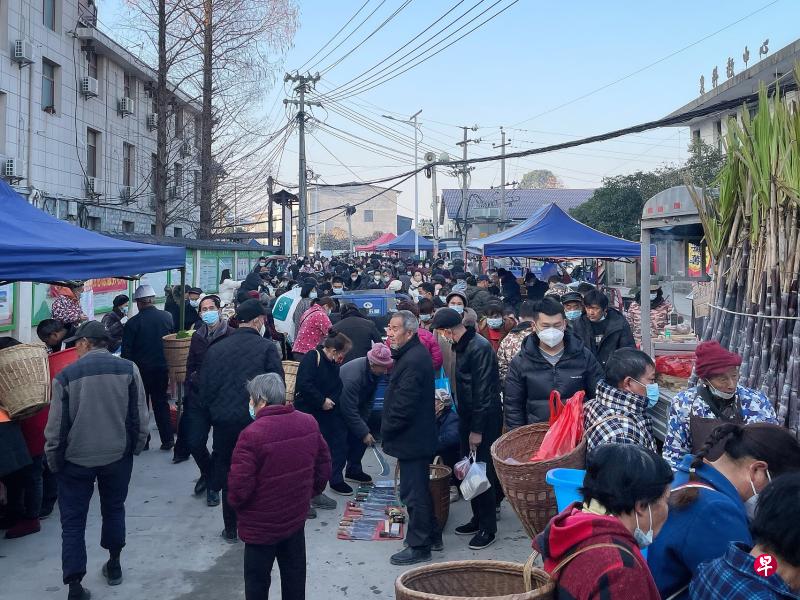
(305, 83)
(502, 147)
(465, 169)
(349, 212)
(412, 120)
(435, 209)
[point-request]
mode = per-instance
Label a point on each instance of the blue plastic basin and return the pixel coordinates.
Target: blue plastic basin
(566, 482)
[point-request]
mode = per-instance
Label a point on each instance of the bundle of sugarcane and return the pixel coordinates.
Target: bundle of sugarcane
(752, 230)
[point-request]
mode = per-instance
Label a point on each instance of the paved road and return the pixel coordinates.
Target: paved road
(174, 550)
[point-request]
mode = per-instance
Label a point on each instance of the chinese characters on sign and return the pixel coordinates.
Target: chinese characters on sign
(765, 565)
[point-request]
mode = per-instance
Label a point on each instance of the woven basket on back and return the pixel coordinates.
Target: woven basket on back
(533, 499)
(440, 491)
(176, 351)
(24, 380)
(473, 580)
(290, 373)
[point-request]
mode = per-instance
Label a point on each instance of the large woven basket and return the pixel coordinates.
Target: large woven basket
(473, 580)
(531, 497)
(290, 374)
(176, 351)
(24, 380)
(440, 491)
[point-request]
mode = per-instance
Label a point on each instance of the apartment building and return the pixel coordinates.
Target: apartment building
(77, 123)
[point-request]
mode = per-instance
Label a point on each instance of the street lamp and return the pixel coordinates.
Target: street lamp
(412, 120)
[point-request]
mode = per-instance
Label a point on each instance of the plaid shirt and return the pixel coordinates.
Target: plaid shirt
(631, 425)
(678, 441)
(732, 577)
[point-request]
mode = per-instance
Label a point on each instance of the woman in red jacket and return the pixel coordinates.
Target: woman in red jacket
(313, 327)
(279, 463)
(592, 549)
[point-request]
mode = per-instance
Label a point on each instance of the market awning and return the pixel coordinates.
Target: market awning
(36, 246)
(406, 242)
(381, 239)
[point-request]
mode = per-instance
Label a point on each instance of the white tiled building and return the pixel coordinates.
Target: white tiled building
(77, 122)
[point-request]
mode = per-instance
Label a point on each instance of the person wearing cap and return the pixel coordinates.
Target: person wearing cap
(573, 306)
(395, 286)
(143, 343)
(98, 421)
(360, 379)
(477, 383)
(602, 329)
(660, 310)
(478, 295)
(716, 400)
(115, 320)
(192, 317)
(67, 305)
(229, 364)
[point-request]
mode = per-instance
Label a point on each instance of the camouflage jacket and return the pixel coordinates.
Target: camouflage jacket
(510, 347)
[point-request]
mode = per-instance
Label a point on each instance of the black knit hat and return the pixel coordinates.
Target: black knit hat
(445, 318)
(249, 310)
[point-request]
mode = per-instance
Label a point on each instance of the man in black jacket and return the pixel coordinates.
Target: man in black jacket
(509, 289)
(551, 358)
(361, 330)
(479, 414)
(142, 343)
(229, 364)
(409, 434)
(602, 329)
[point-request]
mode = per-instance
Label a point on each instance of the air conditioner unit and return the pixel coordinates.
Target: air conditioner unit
(484, 213)
(125, 193)
(152, 121)
(22, 52)
(91, 183)
(72, 208)
(126, 106)
(89, 87)
(186, 149)
(12, 169)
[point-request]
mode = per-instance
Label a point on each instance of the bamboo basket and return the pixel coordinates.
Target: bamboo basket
(176, 351)
(440, 491)
(290, 375)
(474, 580)
(24, 380)
(531, 497)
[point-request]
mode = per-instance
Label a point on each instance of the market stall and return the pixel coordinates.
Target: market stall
(407, 243)
(381, 239)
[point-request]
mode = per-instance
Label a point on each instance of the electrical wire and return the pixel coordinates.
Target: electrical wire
(335, 35)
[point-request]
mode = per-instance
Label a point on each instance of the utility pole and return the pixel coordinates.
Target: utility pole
(502, 147)
(349, 212)
(270, 183)
(412, 120)
(465, 170)
(305, 83)
(435, 209)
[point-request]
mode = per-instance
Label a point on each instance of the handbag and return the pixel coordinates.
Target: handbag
(442, 382)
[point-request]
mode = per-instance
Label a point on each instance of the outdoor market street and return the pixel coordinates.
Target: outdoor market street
(174, 550)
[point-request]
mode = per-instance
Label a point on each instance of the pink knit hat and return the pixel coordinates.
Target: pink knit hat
(380, 355)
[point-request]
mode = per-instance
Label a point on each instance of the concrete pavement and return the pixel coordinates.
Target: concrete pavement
(174, 549)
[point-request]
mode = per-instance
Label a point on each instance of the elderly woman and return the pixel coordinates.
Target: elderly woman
(67, 305)
(279, 463)
(593, 548)
(717, 399)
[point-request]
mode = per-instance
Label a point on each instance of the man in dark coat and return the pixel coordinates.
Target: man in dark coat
(114, 322)
(480, 416)
(602, 329)
(409, 434)
(551, 358)
(228, 366)
(509, 289)
(478, 295)
(361, 330)
(142, 343)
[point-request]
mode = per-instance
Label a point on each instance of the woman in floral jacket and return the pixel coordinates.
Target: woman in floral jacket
(314, 326)
(660, 310)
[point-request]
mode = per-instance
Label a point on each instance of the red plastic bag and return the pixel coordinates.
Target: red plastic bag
(566, 432)
(676, 365)
(555, 407)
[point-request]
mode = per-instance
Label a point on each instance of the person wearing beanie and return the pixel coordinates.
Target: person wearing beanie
(115, 320)
(360, 379)
(717, 399)
(395, 286)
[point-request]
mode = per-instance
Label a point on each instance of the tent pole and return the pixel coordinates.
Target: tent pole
(179, 329)
(179, 326)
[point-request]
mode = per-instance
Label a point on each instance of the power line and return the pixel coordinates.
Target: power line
(335, 35)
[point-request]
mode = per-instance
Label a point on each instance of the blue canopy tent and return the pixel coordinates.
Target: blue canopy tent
(550, 232)
(405, 242)
(36, 246)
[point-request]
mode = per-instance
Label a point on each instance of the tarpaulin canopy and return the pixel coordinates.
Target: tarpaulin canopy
(550, 232)
(381, 239)
(35, 246)
(406, 242)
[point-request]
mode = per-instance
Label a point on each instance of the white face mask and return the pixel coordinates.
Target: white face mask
(644, 539)
(653, 296)
(458, 308)
(263, 329)
(751, 503)
(495, 322)
(550, 336)
(719, 394)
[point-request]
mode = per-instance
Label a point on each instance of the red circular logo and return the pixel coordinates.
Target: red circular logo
(765, 565)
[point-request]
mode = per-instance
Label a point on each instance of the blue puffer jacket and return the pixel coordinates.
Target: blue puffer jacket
(699, 532)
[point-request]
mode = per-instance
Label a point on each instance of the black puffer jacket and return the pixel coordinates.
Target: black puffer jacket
(617, 335)
(408, 426)
(361, 331)
(317, 379)
(477, 382)
(531, 378)
(478, 299)
(228, 366)
(202, 339)
(358, 395)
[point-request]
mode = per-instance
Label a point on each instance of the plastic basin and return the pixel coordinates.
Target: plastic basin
(566, 482)
(59, 360)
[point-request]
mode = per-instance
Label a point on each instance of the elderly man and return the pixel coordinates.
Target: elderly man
(360, 379)
(142, 342)
(480, 416)
(98, 420)
(409, 434)
(229, 364)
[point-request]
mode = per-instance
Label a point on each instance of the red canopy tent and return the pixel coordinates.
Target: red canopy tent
(383, 239)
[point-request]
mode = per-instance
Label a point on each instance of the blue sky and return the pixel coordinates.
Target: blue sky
(531, 59)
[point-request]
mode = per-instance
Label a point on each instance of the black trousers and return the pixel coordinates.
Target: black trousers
(333, 429)
(225, 437)
(483, 505)
(415, 492)
(258, 561)
(193, 434)
(155, 386)
(25, 490)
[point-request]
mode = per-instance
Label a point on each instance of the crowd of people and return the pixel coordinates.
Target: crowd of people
(462, 355)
